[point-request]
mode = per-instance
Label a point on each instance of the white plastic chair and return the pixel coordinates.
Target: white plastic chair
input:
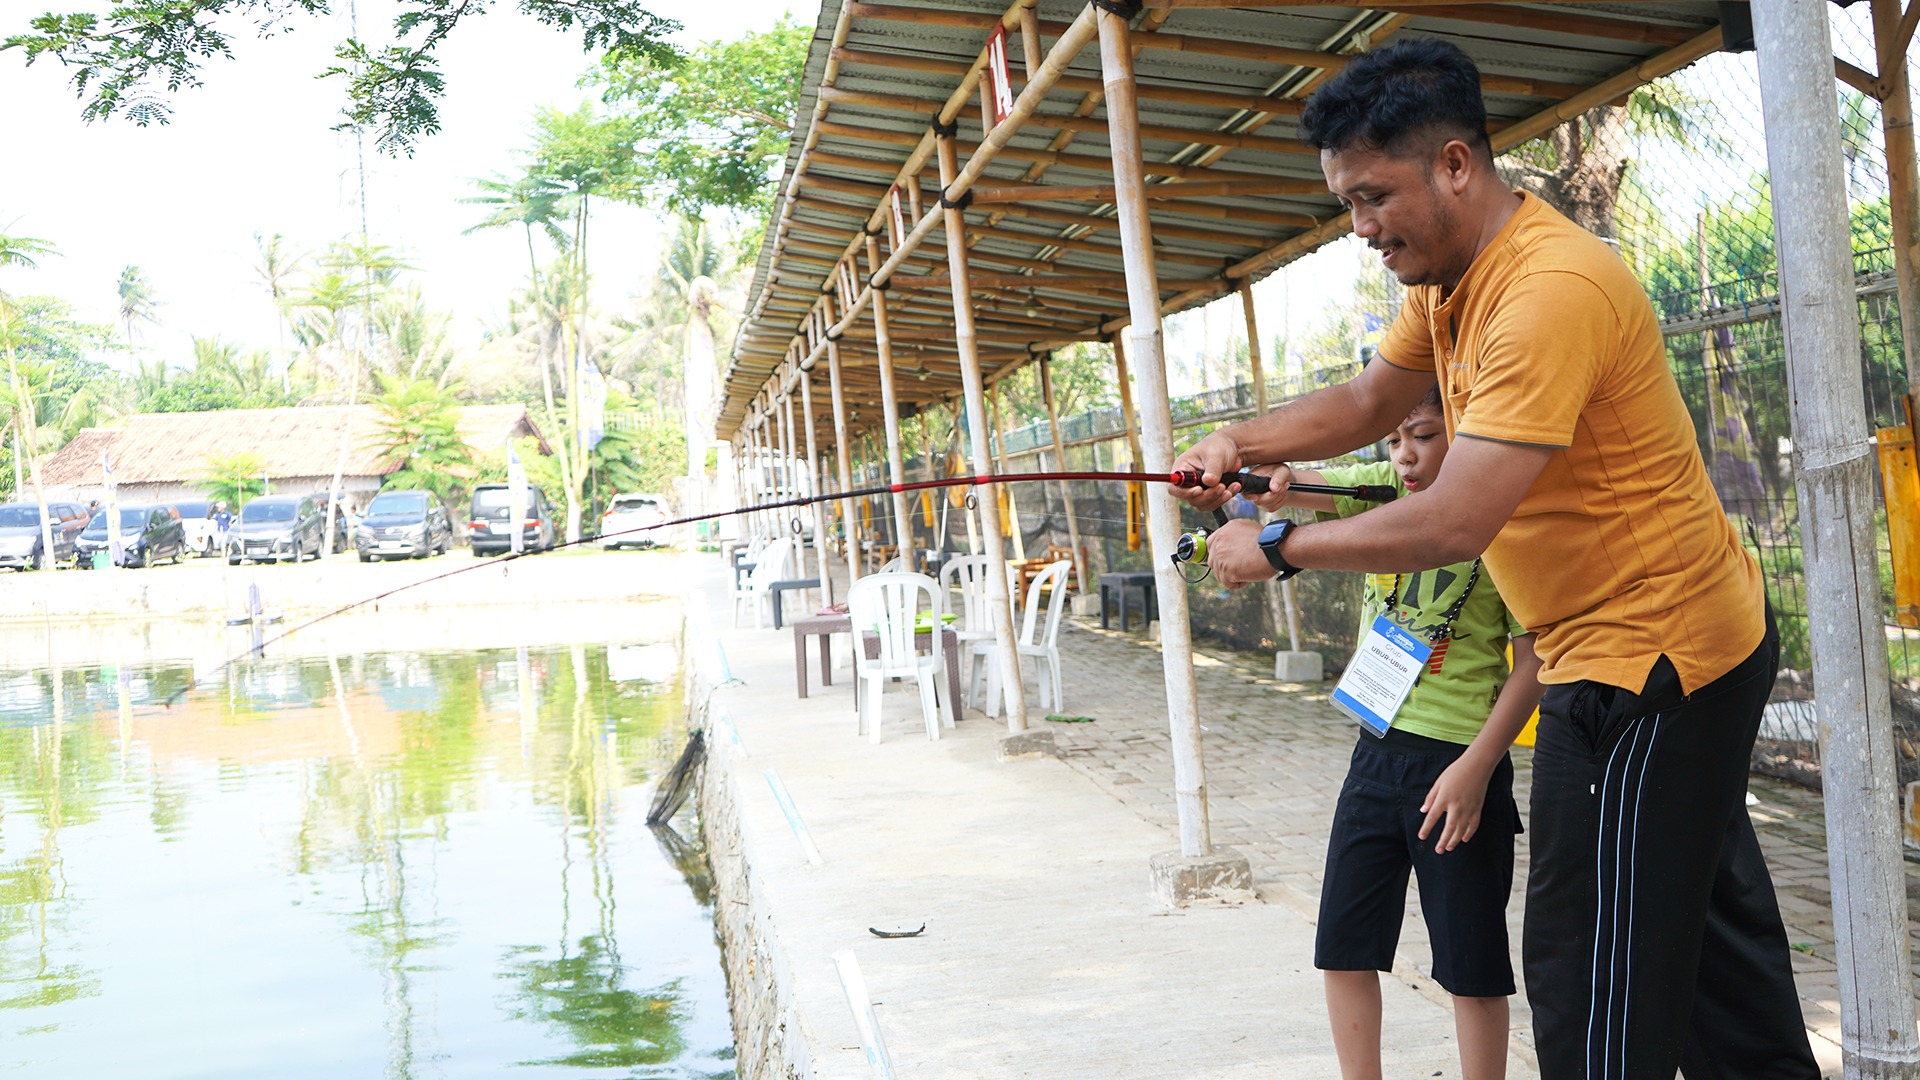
(769, 568)
(895, 565)
(1042, 644)
(887, 606)
(974, 631)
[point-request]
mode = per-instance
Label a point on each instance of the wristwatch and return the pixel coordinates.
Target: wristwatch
(1271, 537)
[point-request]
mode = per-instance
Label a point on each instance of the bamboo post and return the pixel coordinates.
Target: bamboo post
(1013, 499)
(1060, 463)
(791, 437)
(1280, 598)
(1903, 185)
(845, 455)
(1030, 38)
(1127, 411)
(1014, 694)
(1163, 522)
(1835, 489)
(889, 401)
(813, 488)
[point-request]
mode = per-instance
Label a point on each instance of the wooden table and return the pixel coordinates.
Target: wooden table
(825, 626)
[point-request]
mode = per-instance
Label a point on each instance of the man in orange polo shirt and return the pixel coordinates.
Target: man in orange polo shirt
(1653, 940)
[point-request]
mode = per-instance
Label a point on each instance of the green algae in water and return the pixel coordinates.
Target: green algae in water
(400, 865)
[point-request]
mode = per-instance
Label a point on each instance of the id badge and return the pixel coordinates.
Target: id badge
(1381, 675)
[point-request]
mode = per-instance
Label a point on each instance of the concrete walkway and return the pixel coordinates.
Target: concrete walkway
(1044, 954)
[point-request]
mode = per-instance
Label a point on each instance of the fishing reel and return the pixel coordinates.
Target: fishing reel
(1192, 546)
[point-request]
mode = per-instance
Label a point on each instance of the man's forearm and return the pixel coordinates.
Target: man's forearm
(1324, 424)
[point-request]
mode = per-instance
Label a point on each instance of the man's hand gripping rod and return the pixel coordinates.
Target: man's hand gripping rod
(1192, 547)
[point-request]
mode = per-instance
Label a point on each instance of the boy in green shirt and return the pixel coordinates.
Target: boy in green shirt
(1440, 766)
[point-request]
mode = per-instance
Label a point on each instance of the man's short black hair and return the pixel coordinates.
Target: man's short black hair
(1397, 98)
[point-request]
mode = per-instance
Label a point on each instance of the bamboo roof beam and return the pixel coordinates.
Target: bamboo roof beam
(1079, 124)
(923, 148)
(1103, 193)
(1092, 162)
(1179, 95)
(1510, 136)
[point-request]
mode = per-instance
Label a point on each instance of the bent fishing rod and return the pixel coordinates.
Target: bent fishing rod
(1189, 478)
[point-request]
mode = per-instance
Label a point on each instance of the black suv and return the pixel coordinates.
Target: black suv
(274, 528)
(493, 531)
(403, 525)
(147, 535)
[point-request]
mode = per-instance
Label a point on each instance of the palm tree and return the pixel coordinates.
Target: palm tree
(688, 267)
(585, 157)
(276, 267)
(23, 252)
(419, 426)
(137, 303)
(531, 202)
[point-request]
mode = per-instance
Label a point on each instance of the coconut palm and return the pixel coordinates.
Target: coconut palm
(276, 267)
(137, 302)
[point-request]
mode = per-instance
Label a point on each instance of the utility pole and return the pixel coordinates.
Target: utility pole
(1834, 480)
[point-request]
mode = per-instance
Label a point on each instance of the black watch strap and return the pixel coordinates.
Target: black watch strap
(1271, 538)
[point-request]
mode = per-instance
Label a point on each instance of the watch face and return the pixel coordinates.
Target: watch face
(1273, 531)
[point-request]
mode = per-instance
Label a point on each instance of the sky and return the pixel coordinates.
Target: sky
(252, 151)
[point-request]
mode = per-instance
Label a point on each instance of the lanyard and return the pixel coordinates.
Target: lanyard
(1444, 631)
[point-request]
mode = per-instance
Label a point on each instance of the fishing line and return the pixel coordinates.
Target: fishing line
(1249, 482)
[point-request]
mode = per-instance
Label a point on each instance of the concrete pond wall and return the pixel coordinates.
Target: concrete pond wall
(768, 1037)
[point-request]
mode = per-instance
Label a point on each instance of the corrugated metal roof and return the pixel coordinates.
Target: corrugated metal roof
(1199, 72)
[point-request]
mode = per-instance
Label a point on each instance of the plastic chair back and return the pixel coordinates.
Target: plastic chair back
(969, 572)
(887, 606)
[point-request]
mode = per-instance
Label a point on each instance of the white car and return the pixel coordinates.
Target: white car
(635, 511)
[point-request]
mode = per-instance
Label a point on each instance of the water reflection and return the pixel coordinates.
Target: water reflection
(405, 864)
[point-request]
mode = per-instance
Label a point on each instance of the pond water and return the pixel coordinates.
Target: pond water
(398, 864)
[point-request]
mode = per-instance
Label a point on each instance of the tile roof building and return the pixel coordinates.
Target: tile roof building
(160, 456)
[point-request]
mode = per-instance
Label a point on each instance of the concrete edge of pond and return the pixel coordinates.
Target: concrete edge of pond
(770, 1039)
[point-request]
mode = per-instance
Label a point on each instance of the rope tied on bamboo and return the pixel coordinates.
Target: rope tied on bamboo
(874, 283)
(965, 200)
(1126, 9)
(948, 130)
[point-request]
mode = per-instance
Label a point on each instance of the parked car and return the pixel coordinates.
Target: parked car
(342, 520)
(635, 511)
(147, 535)
(403, 525)
(197, 522)
(492, 532)
(21, 545)
(276, 528)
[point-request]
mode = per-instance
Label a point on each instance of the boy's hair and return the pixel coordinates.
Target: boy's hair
(1398, 99)
(1431, 401)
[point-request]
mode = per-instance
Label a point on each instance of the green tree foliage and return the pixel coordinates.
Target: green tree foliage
(129, 60)
(713, 126)
(222, 377)
(233, 478)
(418, 426)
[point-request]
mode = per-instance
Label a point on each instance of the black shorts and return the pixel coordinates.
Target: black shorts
(1376, 841)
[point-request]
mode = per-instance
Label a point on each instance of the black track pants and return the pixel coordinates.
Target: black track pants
(1653, 940)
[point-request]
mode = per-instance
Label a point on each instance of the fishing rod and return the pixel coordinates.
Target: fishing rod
(1248, 481)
